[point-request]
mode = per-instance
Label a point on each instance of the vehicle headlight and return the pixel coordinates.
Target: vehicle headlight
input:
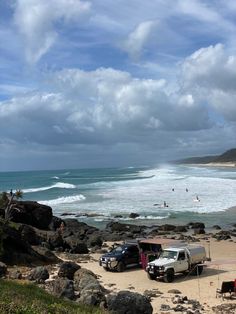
(112, 259)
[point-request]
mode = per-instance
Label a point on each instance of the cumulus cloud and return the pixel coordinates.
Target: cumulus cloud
(102, 106)
(36, 21)
(211, 75)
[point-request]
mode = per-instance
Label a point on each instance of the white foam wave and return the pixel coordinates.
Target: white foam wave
(64, 200)
(59, 185)
(55, 177)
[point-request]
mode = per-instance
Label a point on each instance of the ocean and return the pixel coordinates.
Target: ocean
(191, 193)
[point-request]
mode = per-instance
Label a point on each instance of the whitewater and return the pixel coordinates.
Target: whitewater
(190, 193)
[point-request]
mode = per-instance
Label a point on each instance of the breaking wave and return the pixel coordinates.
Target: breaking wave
(64, 200)
(59, 185)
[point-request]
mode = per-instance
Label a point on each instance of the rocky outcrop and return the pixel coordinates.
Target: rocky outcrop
(67, 270)
(62, 288)
(32, 213)
(39, 274)
(126, 302)
(89, 288)
(17, 251)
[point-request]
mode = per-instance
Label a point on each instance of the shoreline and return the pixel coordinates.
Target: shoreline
(213, 164)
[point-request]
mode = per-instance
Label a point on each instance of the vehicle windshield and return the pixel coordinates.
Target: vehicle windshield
(118, 249)
(168, 254)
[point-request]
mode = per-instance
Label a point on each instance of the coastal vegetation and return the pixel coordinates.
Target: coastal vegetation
(22, 298)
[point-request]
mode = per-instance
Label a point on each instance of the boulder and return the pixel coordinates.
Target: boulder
(180, 229)
(46, 256)
(199, 231)
(55, 240)
(75, 245)
(115, 226)
(95, 240)
(67, 269)
(92, 295)
(15, 251)
(29, 235)
(32, 213)
(222, 235)
(3, 269)
(196, 225)
(167, 227)
(126, 302)
(133, 215)
(55, 223)
(217, 227)
(39, 274)
(62, 288)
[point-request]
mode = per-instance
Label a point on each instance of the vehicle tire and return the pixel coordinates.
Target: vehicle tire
(106, 268)
(120, 267)
(152, 276)
(169, 275)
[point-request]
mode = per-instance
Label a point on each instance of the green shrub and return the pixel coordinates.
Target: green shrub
(21, 298)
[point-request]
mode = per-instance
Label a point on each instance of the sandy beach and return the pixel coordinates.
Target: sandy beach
(221, 268)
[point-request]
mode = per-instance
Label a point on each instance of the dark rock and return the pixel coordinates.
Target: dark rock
(75, 245)
(29, 235)
(216, 227)
(165, 307)
(133, 215)
(222, 235)
(180, 229)
(95, 240)
(126, 302)
(32, 213)
(92, 294)
(118, 216)
(196, 225)
(2, 212)
(15, 251)
(226, 308)
(167, 227)
(115, 226)
(55, 240)
(3, 269)
(199, 231)
(63, 288)
(55, 223)
(46, 256)
(39, 274)
(67, 269)
(81, 273)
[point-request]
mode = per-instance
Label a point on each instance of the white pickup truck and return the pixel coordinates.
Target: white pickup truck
(177, 260)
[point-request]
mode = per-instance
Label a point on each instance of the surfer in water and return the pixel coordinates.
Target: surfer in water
(164, 204)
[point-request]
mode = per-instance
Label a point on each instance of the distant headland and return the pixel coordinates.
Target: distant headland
(227, 159)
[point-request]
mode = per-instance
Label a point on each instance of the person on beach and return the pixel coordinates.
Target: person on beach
(186, 190)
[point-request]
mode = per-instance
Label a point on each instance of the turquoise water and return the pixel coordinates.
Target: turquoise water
(120, 191)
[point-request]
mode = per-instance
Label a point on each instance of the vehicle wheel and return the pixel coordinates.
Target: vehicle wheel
(106, 268)
(152, 276)
(169, 275)
(120, 267)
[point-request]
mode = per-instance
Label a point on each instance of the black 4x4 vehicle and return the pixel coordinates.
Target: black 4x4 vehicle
(125, 255)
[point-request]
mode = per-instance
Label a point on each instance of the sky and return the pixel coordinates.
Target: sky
(104, 83)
